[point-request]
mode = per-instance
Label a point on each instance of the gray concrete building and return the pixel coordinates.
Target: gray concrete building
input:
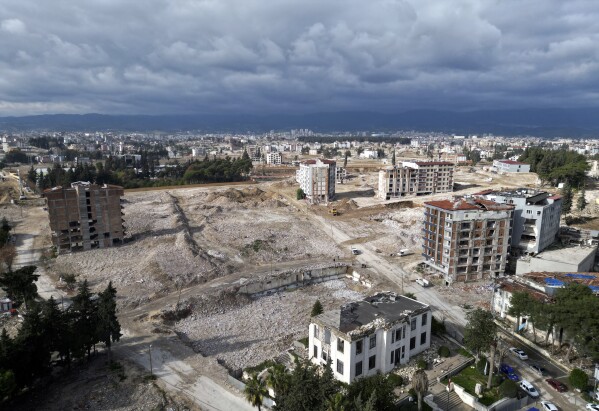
(536, 217)
(571, 259)
(415, 178)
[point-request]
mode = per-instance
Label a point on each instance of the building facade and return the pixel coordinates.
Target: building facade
(274, 159)
(536, 217)
(467, 239)
(416, 178)
(85, 216)
(317, 180)
(370, 336)
(511, 166)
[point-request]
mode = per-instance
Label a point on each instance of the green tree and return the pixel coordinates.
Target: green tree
(316, 309)
(480, 331)
(379, 386)
(420, 385)
(20, 284)
(579, 379)
(582, 202)
(520, 304)
(567, 197)
(108, 327)
(255, 391)
(278, 379)
(8, 384)
(336, 402)
(299, 194)
(393, 158)
(508, 388)
(84, 314)
(305, 391)
(346, 155)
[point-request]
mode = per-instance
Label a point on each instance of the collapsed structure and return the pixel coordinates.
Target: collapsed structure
(467, 239)
(85, 216)
(415, 178)
(317, 180)
(536, 217)
(370, 336)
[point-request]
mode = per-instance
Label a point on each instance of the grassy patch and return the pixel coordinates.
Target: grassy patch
(468, 378)
(304, 341)
(257, 369)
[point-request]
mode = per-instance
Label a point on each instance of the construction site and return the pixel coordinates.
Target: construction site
(231, 272)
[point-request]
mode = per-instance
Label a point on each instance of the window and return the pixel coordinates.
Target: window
(316, 331)
(392, 356)
(315, 352)
(373, 341)
(392, 337)
(340, 345)
(372, 362)
(412, 343)
(323, 355)
(403, 333)
(413, 324)
(423, 338)
(340, 367)
(424, 319)
(358, 368)
(359, 347)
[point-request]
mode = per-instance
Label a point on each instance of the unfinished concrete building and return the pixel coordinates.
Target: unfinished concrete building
(416, 178)
(85, 216)
(467, 240)
(317, 180)
(536, 217)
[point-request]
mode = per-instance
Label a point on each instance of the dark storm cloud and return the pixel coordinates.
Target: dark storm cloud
(175, 56)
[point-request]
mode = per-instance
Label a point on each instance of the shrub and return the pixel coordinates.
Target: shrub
(508, 388)
(299, 194)
(438, 327)
(422, 364)
(444, 351)
(579, 379)
(395, 380)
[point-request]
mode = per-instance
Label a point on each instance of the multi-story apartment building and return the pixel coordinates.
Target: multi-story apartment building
(85, 216)
(536, 217)
(467, 239)
(511, 166)
(415, 178)
(274, 158)
(370, 336)
(317, 180)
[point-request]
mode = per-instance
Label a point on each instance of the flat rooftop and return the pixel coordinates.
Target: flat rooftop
(591, 280)
(573, 254)
(372, 312)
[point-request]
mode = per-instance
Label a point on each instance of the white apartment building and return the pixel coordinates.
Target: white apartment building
(536, 217)
(369, 153)
(317, 180)
(274, 159)
(415, 178)
(370, 336)
(511, 166)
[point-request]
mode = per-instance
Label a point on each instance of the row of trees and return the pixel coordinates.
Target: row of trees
(568, 199)
(307, 387)
(556, 166)
(48, 331)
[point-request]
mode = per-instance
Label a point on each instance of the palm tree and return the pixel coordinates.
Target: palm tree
(420, 385)
(278, 379)
(255, 390)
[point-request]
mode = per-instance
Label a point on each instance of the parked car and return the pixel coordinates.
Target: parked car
(422, 282)
(558, 385)
(529, 389)
(519, 353)
(548, 406)
(593, 407)
(538, 369)
(509, 372)
(355, 251)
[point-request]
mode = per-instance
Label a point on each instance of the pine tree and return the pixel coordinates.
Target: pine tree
(566, 199)
(84, 321)
(393, 158)
(316, 309)
(108, 327)
(582, 202)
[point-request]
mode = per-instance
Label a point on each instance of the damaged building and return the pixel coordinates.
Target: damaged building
(370, 336)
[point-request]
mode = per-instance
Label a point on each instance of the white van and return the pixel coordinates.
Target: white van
(355, 251)
(403, 252)
(423, 282)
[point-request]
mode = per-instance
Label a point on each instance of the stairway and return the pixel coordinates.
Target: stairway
(446, 403)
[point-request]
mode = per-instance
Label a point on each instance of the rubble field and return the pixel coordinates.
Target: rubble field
(243, 331)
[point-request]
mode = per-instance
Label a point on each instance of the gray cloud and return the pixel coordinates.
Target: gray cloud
(213, 56)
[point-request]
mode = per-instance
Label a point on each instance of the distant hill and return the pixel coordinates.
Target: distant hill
(538, 122)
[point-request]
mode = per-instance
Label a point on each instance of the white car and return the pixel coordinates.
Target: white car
(593, 407)
(549, 406)
(423, 282)
(519, 353)
(529, 389)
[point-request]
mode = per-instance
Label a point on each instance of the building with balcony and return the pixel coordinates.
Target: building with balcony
(415, 178)
(536, 217)
(274, 159)
(85, 216)
(370, 336)
(467, 239)
(317, 180)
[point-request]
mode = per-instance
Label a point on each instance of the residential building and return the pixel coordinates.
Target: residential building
(536, 217)
(467, 239)
(274, 158)
(370, 336)
(573, 258)
(85, 216)
(511, 166)
(317, 180)
(504, 291)
(369, 153)
(340, 174)
(415, 178)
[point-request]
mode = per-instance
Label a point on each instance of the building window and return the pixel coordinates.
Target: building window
(372, 362)
(359, 347)
(392, 356)
(372, 341)
(424, 319)
(358, 368)
(315, 352)
(323, 355)
(423, 338)
(340, 345)
(398, 334)
(413, 324)
(316, 331)
(412, 343)
(340, 367)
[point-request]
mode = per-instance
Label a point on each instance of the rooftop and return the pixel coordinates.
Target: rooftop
(512, 286)
(376, 311)
(512, 162)
(317, 160)
(560, 279)
(474, 204)
(572, 254)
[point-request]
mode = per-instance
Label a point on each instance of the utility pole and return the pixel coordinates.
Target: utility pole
(150, 353)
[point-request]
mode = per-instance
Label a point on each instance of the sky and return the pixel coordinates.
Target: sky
(295, 56)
